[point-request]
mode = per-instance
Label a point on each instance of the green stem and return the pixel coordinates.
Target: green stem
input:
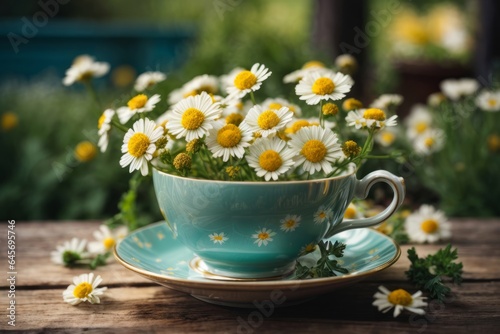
(321, 116)
(119, 126)
(252, 97)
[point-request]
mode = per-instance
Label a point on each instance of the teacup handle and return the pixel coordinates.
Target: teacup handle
(361, 191)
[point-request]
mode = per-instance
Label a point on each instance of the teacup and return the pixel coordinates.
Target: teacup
(259, 229)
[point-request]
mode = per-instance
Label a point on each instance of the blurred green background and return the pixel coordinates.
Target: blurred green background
(39, 175)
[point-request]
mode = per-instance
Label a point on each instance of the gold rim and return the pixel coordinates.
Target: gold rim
(257, 285)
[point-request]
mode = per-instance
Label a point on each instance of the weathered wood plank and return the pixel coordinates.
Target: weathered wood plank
(476, 240)
(474, 307)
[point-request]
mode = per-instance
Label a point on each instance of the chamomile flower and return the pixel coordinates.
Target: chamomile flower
(103, 126)
(70, 252)
(290, 223)
(263, 236)
(138, 104)
(456, 89)
(148, 79)
(248, 81)
(418, 121)
(316, 149)
(278, 103)
(369, 118)
(202, 83)
(346, 63)
(106, 239)
(267, 122)
(387, 136)
(228, 140)
(84, 288)
(385, 101)
(270, 157)
(435, 99)
(489, 101)
(400, 299)
(139, 145)
(84, 68)
(427, 225)
(323, 86)
(308, 67)
(193, 117)
(323, 215)
(352, 212)
(227, 80)
(429, 142)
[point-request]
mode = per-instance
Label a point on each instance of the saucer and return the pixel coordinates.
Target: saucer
(154, 253)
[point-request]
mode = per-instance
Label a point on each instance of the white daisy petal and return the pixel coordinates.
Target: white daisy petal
(400, 299)
(84, 289)
(427, 225)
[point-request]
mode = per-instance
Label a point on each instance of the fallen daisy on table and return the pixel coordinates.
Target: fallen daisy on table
(70, 252)
(84, 288)
(399, 299)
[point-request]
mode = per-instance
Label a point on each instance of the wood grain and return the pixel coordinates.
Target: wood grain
(134, 304)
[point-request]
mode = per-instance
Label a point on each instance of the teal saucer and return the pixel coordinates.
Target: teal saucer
(154, 253)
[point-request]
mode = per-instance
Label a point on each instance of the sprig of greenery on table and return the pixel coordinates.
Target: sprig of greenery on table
(325, 266)
(427, 273)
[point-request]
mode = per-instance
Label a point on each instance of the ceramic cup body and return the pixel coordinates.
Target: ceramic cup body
(259, 229)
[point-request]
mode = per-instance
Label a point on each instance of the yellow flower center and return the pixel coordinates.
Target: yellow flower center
(322, 215)
(400, 297)
(329, 109)
(388, 137)
(218, 237)
(229, 136)
(323, 86)
(275, 105)
(420, 127)
(268, 120)
(9, 121)
(190, 93)
(350, 213)
(245, 80)
(492, 102)
(314, 150)
(313, 63)
(108, 243)
(100, 122)
(263, 235)
(352, 104)
(374, 113)
(310, 247)
(429, 142)
(429, 226)
(138, 144)
(270, 160)
(494, 143)
(290, 223)
(297, 126)
(192, 119)
(234, 118)
(82, 290)
(137, 102)
(85, 151)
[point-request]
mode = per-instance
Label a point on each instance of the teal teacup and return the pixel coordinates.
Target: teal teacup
(259, 229)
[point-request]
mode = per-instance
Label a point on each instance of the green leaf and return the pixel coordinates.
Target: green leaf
(428, 273)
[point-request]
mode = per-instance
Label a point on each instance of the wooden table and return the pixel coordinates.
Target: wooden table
(136, 305)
